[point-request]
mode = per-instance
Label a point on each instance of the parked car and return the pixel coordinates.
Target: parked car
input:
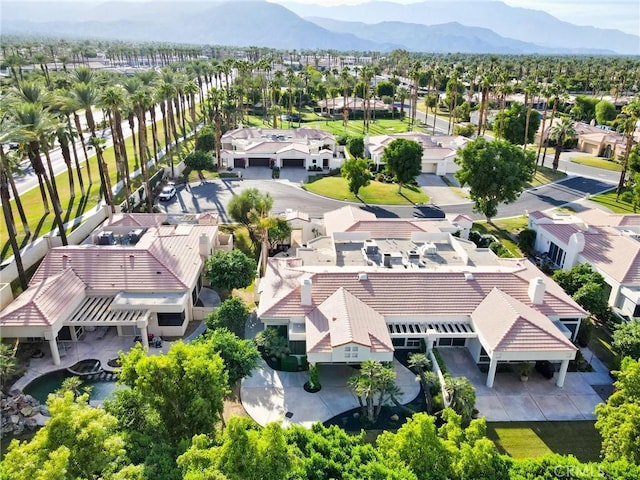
(11, 145)
(167, 193)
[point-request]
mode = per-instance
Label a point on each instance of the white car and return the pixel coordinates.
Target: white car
(167, 193)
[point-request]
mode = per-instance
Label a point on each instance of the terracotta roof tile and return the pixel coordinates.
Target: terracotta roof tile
(43, 303)
(508, 325)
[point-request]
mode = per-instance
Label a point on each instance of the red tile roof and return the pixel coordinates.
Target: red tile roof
(508, 325)
(409, 293)
(344, 319)
(166, 258)
(42, 304)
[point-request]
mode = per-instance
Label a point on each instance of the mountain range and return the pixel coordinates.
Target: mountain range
(434, 26)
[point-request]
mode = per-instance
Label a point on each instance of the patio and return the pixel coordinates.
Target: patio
(94, 345)
(269, 395)
(539, 399)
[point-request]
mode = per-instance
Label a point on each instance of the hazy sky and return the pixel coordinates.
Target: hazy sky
(620, 14)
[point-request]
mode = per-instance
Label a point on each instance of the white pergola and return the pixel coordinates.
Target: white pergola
(96, 311)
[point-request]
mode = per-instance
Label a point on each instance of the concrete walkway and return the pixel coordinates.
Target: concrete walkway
(273, 396)
(539, 399)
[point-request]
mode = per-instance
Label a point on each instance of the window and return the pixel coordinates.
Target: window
(171, 319)
(459, 342)
(397, 342)
(556, 254)
(413, 342)
(444, 342)
(347, 349)
(354, 349)
(347, 355)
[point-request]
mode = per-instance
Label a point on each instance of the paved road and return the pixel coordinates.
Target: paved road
(215, 195)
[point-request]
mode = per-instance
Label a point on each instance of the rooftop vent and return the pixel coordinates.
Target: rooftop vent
(468, 276)
(429, 249)
(413, 255)
(371, 247)
(134, 235)
(362, 277)
(105, 238)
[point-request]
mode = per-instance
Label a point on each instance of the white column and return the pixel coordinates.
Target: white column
(492, 372)
(72, 331)
(562, 373)
(53, 345)
(142, 325)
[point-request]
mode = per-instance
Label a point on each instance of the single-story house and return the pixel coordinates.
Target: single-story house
(610, 243)
(371, 286)
(438, 151)
(135, 273)
(268, 147)
(336, 105)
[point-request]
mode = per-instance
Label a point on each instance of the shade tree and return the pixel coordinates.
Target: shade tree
(496, 171)
(403, 159)
(356, 172)
(230, 270)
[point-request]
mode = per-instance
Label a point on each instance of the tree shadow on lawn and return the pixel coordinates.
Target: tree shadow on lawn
(84, 200)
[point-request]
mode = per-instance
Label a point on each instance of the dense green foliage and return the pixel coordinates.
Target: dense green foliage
(356, 146)
(496, 171)
(231, 314)
(357, 173)
(240, 357)
(199, 160)
(403, 159)
(206, 140)
(587, 287)
(511, 124)
(229, 270)
(619, 419)
(626, 339)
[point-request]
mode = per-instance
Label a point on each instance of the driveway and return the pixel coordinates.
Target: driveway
(272, 396)
(539, 399)
(439, 192)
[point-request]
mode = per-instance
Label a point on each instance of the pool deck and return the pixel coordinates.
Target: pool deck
(91, 346)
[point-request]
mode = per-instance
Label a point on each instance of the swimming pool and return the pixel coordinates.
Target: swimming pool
(102, 386)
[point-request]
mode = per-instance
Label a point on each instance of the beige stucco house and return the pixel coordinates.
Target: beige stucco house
(134, 273)
(371, 286)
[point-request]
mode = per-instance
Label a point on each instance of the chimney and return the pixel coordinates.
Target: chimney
(574, 248)
(468, 276)
(537, 288)
(204, 245)
(305, 291)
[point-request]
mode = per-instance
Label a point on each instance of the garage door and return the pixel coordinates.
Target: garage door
(293, 162)
(238, 163)
(429, 167)
(259, 162)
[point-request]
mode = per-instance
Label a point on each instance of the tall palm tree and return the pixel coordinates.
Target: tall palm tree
(561, 133)
(291, 78)
(462, 395)
(530, 91)
(4, 136)
(191, 89)
(140, 99)
(414, 74)
(8, 219)
(113, 99)
(84, 96)
(630, 116)
(32, 125)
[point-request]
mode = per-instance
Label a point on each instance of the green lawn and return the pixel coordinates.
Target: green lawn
(545, 175)
(598, 163)
(505, 230)
(600, 345)
(609, 201)
(354, 127)
(376, 193)
(534, 439)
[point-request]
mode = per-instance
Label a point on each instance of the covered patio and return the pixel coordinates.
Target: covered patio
(538, 399)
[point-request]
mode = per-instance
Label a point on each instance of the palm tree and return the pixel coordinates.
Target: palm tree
(6, 164)
(462, 395)
(84, 96)
(530, 90)
(67, 136)
(32, 126)
(113, 98)
(421, 364)
(561, 133)
(373, 385)
(140, 99)
(192, 89)
(291, 78)
(9, 221)
(630, 116)
(414, 75)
